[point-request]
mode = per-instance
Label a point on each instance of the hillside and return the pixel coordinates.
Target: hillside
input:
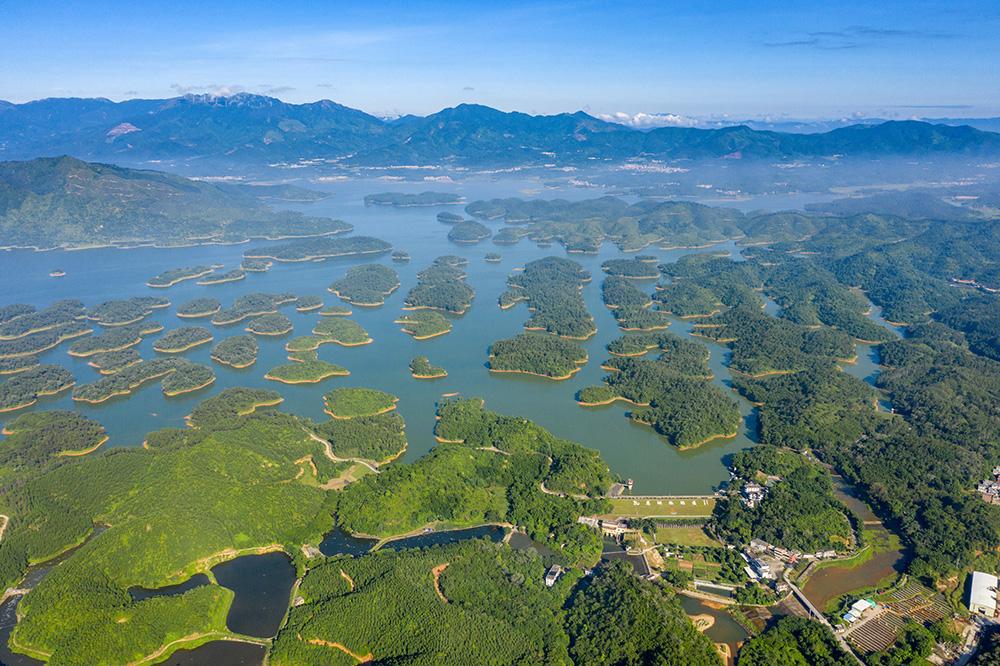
(256, 128)
(63, 201)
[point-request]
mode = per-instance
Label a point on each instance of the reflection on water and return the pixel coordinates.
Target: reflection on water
(724, 630)
(263, 585)
(494, 533)
(220, 653)
(142, 593)
(631, 451)
(339, 542)
(8, 618)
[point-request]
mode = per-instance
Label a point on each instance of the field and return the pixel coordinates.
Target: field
(662, 507)
(684, 535)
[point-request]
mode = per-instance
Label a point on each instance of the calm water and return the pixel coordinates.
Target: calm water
(725, 630)
(217, 653)
(263, 587)
(339, 542)
(8, 618)
(142, 593)
(632, 451)
(492, 532)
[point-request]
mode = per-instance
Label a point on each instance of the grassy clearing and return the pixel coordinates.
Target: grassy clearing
(662, 507)
(686, 535)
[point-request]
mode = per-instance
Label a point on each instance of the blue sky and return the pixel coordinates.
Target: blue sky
(741, 59)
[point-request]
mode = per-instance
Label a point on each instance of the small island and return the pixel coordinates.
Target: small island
(509, 236)
(632, 269)
(187, 377)
(182, 339)
(618, 292)
(270, 324)
(552, 288)
(126, 311)
(424, 324)
(25, 388)
(36, 343)
(536, 354)
(237, 351)
(441, 286)
(448, 217)
(421, 368)
(23, 320)
(116, 339)
(336, 311)
(400, 257)
(349, 403)
(366, 285)
(235, 275)
(57, 273)
(320, 248)
(405, 200)
(256, 265)
(640, 319)
(686, 299)
(199, 307)
(177, 275)
(251, 305)
(307, 371)
(469, 232)
(344, 332)
(108, 363)
(308, 303)
(493, 258)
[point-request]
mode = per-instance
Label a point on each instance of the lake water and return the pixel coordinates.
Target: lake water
(494, 533)
(724, 630)
(142, 593)
(339, 542)
(633, 451)
(217, 653)
(263, 587)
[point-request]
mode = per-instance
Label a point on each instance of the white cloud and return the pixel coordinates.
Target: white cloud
(643, 120)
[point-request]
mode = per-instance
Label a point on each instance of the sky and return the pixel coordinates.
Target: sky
(640, 62)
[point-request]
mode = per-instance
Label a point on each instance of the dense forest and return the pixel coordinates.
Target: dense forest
(537, 354)
(366, 285)
(551, 287)
(441, 286)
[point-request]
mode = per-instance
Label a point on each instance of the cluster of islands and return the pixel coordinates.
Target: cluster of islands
(505, 543)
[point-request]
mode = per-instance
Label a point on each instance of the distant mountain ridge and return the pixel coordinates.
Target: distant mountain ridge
(264, 129)
(65, 202)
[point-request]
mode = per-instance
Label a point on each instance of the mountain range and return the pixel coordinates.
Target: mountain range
(261, 129)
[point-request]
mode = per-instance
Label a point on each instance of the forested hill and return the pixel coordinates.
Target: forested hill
(63, 201)
(257, 128)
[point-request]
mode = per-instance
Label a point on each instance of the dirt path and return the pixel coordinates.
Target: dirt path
(350, 581)
(361, 658)
(328, 450)
(3, 528)
(437, 571)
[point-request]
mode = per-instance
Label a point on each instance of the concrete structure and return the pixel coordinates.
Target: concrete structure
(553, 575)
(982, 597)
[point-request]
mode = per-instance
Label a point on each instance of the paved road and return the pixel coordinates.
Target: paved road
(819, 616)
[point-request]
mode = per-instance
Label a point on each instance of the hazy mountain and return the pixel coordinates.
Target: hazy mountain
(63, 201)
(263, 129)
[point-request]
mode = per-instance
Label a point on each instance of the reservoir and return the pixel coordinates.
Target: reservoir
(263, 587)
(632, 451)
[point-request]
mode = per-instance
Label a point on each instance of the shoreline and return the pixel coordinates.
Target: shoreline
(199, 315)
(83, 452)
(536, 374)
(39, 394)
(317, 380)
(179, 280)
(171, 394)
(209, 283)
(178, 350)
(612, 401)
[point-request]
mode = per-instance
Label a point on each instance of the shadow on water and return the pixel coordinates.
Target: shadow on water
(494, 533)
(219, 653)
(143, 593)
(263, 586)
(339, 542)
(8, 618)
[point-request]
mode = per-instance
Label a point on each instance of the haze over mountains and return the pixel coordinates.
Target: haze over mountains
(261, 129)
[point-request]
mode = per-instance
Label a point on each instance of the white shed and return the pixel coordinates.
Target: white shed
(983, 594)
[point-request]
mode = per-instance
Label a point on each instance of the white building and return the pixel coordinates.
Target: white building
(983, 594)
(553, 575)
